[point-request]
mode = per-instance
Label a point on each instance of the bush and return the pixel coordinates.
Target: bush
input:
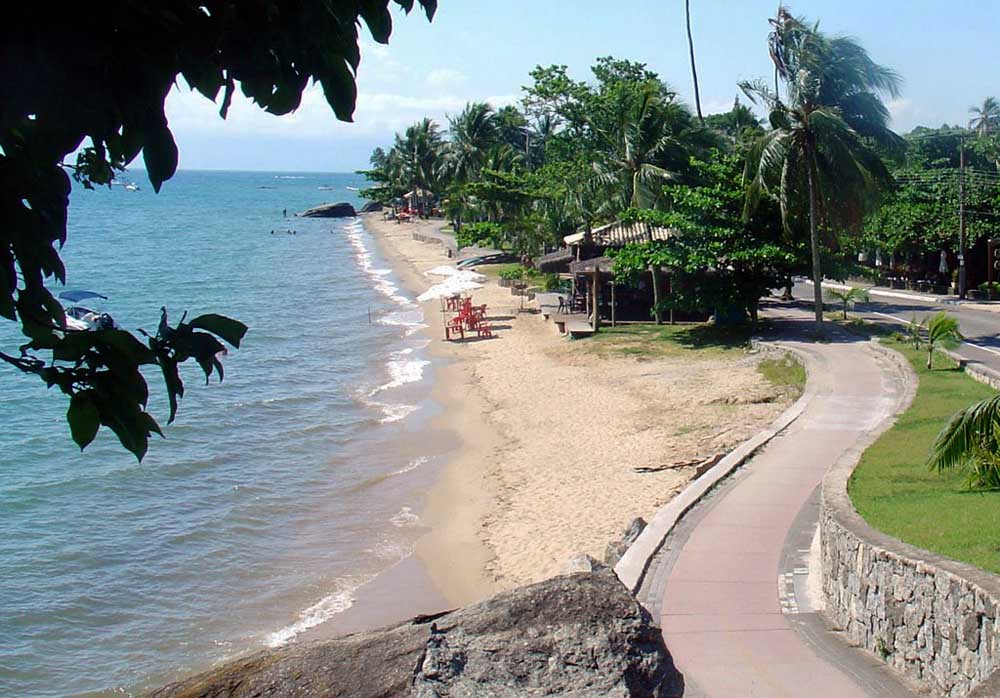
(480, 235)
(552, 282)
(512, 274)
(985, 287)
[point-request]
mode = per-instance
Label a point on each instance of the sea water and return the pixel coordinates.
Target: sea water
(276, 494)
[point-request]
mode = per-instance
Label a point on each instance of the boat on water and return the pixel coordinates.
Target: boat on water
(79, 317)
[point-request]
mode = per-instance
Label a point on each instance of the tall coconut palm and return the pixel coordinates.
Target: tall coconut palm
(817, 155)
(986, 118)
(473, 133)
(643, 137)
(420, 150)
(694, 69)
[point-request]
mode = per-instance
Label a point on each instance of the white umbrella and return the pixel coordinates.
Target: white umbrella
(456, 274)
(448, 288)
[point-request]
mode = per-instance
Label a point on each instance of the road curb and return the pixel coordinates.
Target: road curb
(634, 564)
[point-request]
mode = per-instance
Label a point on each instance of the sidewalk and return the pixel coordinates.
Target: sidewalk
(883, 292)
(735, 614)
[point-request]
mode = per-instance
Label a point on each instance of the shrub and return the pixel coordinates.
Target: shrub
(480, 235)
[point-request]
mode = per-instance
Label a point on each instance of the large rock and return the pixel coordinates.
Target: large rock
(371, 207)
(617, 548)
(341, 210)
(578, 635)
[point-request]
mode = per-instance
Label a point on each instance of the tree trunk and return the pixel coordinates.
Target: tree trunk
(930, 354)
(814, 241)
(596, 301)
(654, 272)
(694, 70)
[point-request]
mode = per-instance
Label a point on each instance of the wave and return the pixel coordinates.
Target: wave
(405, 518)
(401, 372)
(324, 609)
(395, 412)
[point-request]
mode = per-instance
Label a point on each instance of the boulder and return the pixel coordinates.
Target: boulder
(616, 548)
(582, 563)
(371, 207)
(341, 210)
(577, 635)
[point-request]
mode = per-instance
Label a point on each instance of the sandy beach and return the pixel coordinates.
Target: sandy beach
(552, 432)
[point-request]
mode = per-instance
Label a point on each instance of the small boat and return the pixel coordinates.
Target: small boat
(351, 188)
(131, 186)
(79, 317)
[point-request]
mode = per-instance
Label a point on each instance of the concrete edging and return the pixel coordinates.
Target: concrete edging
(930, 618)
(633, 565)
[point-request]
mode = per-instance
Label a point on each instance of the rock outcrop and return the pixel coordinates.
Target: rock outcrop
(341, 210)
(371, 207)
(577, 635)
(617, 548)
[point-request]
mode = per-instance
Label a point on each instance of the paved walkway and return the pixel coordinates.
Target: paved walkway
(734, 612)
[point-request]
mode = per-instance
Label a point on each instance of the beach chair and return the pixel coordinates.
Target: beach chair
(484, 329)
(453, 327)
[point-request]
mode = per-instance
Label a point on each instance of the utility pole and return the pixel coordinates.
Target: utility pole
(961, 218)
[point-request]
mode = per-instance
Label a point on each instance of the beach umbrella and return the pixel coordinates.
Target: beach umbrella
(448, 288)
(457, 274)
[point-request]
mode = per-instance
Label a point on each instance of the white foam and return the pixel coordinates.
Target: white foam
(324, 609)
(411, 466)
(401, 372)
(395, 412)
(405, 518)
(363, 256)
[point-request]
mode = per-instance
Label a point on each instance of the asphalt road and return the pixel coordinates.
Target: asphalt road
(980, 327)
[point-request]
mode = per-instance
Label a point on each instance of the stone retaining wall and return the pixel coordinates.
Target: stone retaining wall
(930, 618)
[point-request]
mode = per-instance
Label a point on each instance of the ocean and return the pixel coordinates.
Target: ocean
(276, 494)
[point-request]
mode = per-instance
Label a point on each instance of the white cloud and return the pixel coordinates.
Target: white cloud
(445, 79)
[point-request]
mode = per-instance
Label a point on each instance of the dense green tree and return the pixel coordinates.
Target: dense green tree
(718, 259)
(92, 79)
(818, 159)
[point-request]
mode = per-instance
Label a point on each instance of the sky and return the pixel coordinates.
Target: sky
(946, 52)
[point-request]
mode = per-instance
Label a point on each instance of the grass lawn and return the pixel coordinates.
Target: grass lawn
(651, 340)
(647, 341)
(895, 492)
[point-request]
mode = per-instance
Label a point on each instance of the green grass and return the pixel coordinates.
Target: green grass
(648, 340)
(895, 492)
(785, 372)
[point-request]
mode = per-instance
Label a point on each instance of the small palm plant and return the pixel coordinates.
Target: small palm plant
(971, 442)
(847, 298)
(941, 333)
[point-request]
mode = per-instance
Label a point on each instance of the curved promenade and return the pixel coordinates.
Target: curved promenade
(735, 609)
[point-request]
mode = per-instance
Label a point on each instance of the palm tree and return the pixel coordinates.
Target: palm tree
(420, 150)
(942, 333)
(694, 70)
(985, 118)
(971, 441)
(817, 150)
(473, 133)
(643, 135)
(848, 297)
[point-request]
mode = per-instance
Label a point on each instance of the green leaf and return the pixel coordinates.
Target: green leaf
(230, 330)
(160, 155)
(83, 417)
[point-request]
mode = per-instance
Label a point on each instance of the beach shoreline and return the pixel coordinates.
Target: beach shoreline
(554, 440)
(451, 552)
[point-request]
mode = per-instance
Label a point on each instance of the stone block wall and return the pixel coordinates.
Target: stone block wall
(925, 621)
(932, 619)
